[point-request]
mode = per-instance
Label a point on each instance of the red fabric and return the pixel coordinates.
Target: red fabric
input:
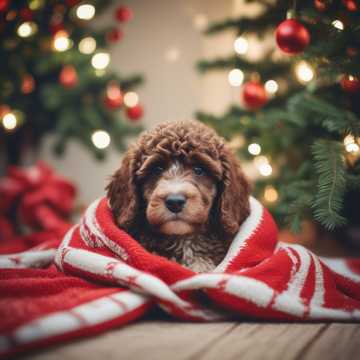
(105, 278)
(36, 197)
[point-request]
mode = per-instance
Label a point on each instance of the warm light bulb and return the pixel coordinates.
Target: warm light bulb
(241, 45)
(352, 148)
(259, 160)
(338, 24)
(100, 60)
(85, 11)
(87, 45)
(304, 72)
(236, 77)
(131, 99)
(350, 145)
(237, 142)
(27, 29)
(9, 121)
(265, 169)
(254, 149)
(35, 4)
(349, 139)
(113, 91)
(271, 86)
(270, 194)
(101, 139)
(61, 41)
(262, 164)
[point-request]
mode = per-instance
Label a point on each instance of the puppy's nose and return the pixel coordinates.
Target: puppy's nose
(175, 202)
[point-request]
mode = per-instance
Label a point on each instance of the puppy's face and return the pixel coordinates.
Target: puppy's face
(181, 178)
(179, 193)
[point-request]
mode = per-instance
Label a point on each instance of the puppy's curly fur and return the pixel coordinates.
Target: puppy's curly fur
(182, 141)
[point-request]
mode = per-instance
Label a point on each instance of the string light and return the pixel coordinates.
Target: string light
(237, 142)
(9, 121)
(27, 29)
(265, 169)
(61, 41)
(85, 11)
(350, 144)
(236, 77)
(131, 99)
(100, 60)
(241, 45)
(101, 139)
(270, 194)
(254, 149)
(349, 139)
(352, 148)
(36, 4)
(304, 72)
(263, 166)
(87, 45)
(338, 24)
(113, 91)
(271, 86)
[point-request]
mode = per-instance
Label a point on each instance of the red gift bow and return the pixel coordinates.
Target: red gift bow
(41, 199)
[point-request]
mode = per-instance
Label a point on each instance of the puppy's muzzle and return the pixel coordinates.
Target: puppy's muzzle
(175, 202)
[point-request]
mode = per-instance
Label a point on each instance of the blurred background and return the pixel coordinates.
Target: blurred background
(278, 79)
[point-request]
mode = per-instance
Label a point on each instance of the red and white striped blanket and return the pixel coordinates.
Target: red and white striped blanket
(103, 278)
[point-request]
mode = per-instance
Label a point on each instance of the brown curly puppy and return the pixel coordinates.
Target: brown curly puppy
(181, 193)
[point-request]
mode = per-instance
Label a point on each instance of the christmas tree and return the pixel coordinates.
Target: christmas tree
(54, 77)
(298, 115)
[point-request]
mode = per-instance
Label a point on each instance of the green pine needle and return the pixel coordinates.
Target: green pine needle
(330, 168)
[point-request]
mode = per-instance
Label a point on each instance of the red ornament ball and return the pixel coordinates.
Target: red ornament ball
(321, 5)
(351, 5)
(26, 14)
(351, 51)
(68, 76)
(135, 113)
(4, 4)
(292, 37)
(123, 14)
(114, 35)
(114, 97)
(350, 84)
(254, 95)
(28, 84)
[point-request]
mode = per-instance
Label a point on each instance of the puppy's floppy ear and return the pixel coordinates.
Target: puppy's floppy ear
(122, 192)
(233, 202)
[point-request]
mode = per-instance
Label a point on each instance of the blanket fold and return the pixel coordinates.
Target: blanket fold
(100, 277)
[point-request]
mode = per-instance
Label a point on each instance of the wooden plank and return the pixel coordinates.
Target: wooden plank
(229, 340)
(263, 341)
(143, 340)
(339, 341)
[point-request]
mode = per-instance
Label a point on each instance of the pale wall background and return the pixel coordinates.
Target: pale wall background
(173, 89)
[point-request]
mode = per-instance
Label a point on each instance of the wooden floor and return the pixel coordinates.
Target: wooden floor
(156, 340)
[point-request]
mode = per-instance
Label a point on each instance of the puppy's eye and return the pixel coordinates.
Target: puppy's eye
(198, 170)
(157, 170)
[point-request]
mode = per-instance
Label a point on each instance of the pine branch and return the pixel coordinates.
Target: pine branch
(330, 169)
(334, 118)
(270, 17)
(265, 68)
